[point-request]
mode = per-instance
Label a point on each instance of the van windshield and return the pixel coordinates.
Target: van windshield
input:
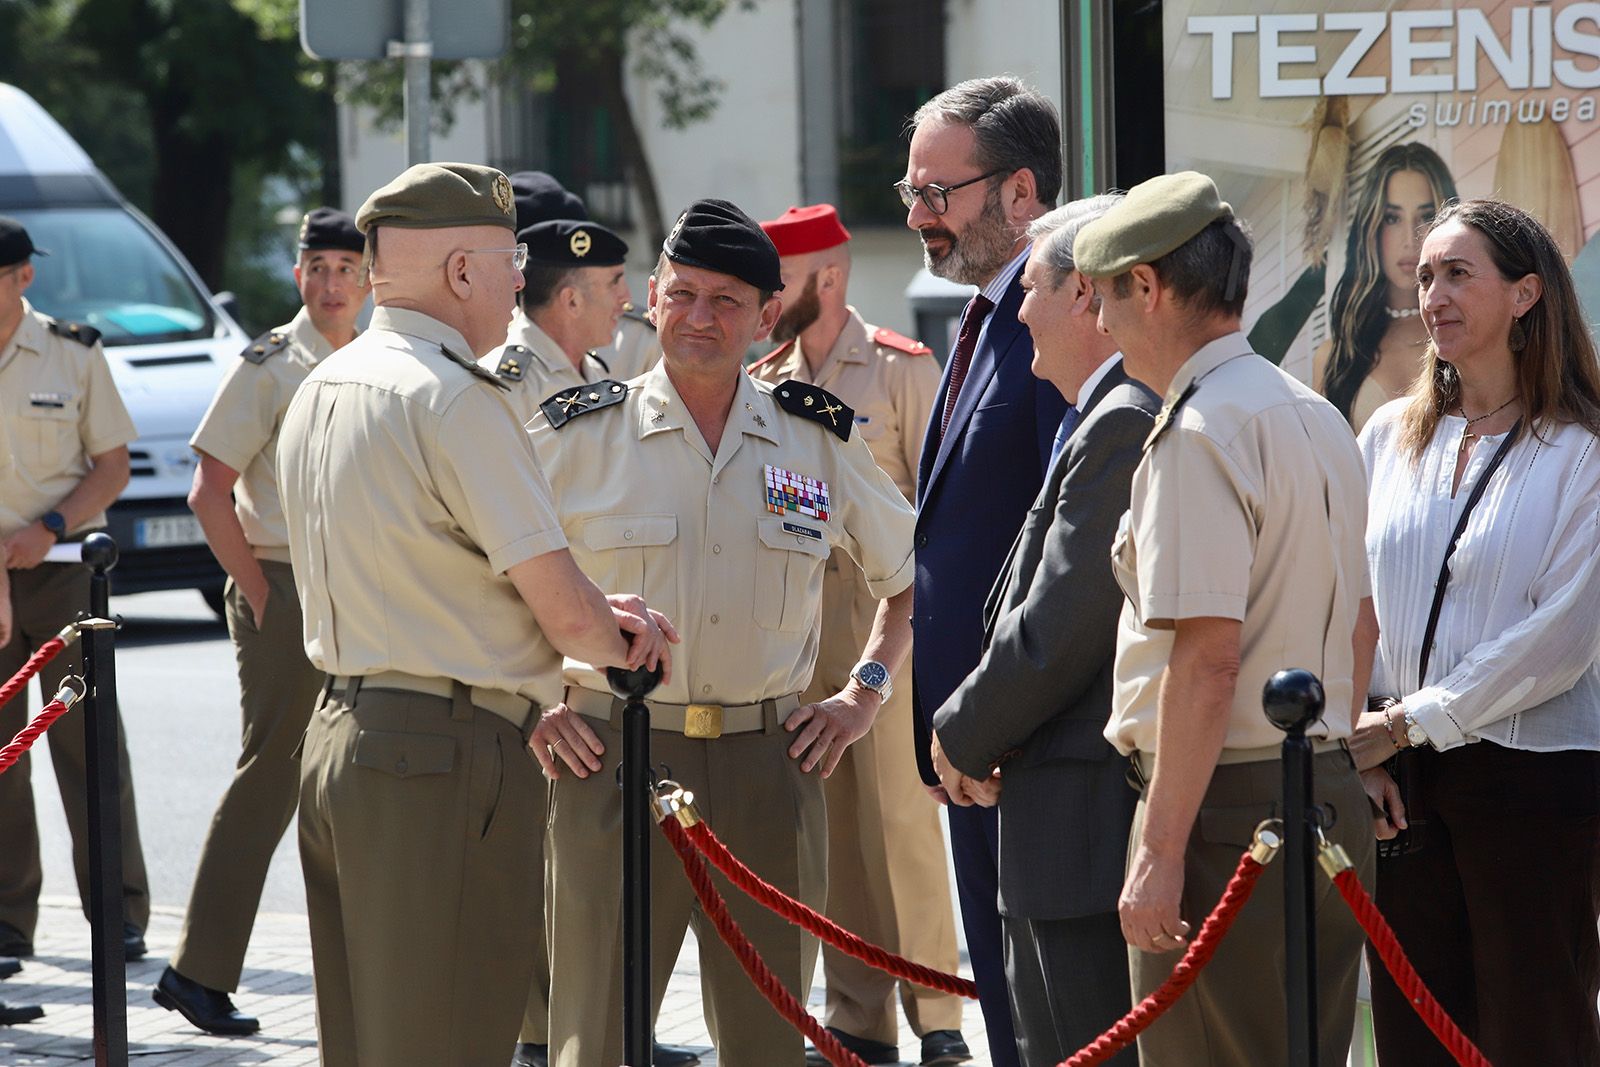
(105, 269)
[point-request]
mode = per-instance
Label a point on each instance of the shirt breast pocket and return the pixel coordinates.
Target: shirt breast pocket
(49, 430)
(789, 564)
(635, 554)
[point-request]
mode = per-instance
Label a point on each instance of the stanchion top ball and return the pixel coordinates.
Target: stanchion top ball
(1293, 699)
(100, 551)
(632, 685)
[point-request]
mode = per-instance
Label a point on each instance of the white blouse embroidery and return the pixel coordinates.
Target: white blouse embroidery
(1516, 648)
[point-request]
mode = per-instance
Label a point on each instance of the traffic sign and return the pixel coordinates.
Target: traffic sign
(363, 29)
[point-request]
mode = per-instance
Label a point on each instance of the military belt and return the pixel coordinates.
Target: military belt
(701, 721)
(509, 706)
(1144, 763)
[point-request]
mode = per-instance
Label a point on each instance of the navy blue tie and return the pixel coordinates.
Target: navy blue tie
(1069, 422)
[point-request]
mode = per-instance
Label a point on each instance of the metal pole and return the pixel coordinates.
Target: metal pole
(418, 53)
(638, 809)
(1293, 700)
(105, 813)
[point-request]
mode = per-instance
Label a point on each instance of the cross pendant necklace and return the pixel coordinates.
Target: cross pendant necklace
(1467, 436)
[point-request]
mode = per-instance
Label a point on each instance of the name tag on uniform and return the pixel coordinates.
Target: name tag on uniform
(49, 400)
(788, 491)
(803, 531)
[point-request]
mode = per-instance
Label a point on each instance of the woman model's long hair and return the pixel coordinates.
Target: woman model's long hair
(1358, 315)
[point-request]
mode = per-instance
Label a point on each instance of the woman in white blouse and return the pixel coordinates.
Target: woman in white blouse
(1495, 891)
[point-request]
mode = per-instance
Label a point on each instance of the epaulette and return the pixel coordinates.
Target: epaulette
(817, 404)
(75, 331)
(596, 357)
(568, 404)
(899, 342)
(512, 363)
(473, 369)
(637, 317)
(777, 353)
(1168, 413)
(267, 344)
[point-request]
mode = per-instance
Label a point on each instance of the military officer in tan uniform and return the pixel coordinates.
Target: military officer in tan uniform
(634, 349)
(883, 827)
(70, 434)
(438, 598)
(235, 497)
(574, 290)
(1242, 554)
(720, 497)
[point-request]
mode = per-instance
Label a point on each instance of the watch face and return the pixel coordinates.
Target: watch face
(1416, 734)
(872, 674)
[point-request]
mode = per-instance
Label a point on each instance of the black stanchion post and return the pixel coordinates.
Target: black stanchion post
(638, 812)
(105, 814)
(1294, 700)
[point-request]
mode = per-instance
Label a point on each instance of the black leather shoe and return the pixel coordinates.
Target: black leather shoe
(870, 1051)
(530, 1055)
(209, 1009)
(672, 1055)
(10, 1014)
(941, 1047)
(9, 967)
(13, 943)
(132, 942)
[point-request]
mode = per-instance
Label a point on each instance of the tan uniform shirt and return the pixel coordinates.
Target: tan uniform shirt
(57, 396)
(633, 351)
(241, 426)
(650, 510)
(409, 491)
(1251, 504)
(540, 370)
(892, 391)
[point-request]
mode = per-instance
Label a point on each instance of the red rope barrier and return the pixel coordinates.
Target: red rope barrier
(19, 681)
(754, 966)
(1200, 951)
(812, 921)
(1405, 975)
(31, 733)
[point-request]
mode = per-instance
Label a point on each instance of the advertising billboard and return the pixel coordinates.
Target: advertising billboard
(1337, 127)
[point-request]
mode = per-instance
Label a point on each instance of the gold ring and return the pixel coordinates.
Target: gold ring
(559, 742)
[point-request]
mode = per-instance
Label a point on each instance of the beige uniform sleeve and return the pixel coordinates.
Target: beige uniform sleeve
(917, 388)
(103, 420)
(878, 522)
(241, 418)
(492, 484)
(1196, 534)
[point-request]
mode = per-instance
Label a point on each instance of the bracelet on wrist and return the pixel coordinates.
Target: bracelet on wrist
(1388, 725)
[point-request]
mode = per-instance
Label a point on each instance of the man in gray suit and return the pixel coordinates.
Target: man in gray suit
(1025, 727)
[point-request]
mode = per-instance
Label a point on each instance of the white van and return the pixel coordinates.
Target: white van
(166, 338)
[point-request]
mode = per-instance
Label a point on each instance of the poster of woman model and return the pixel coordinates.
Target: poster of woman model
(1336, 128)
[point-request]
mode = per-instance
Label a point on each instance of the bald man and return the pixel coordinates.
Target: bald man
(439, 598)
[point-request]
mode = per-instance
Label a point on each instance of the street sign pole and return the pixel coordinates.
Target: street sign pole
(417, 52)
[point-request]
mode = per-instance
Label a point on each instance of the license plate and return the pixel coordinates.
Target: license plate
(167, 530)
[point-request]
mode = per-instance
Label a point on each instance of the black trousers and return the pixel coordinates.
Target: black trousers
(1497, 907)
(1069, 984)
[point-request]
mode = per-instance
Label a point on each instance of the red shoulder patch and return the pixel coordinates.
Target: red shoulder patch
(899, 342)
(776, 354)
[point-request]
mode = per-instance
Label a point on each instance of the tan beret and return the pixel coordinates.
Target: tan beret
(1153, 219)
(434, 196)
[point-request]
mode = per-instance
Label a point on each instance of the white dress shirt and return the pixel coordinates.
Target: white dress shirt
(1515, 652)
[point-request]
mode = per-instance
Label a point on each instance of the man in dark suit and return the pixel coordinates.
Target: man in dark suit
(984, 162)
(1039, 699)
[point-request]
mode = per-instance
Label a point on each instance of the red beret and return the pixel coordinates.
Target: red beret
(806, 229)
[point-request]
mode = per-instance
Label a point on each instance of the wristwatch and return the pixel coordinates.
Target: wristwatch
(874, 676)
(1415, 733)
(55, 522)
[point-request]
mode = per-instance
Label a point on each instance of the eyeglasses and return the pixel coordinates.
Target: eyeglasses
(937, 197)
(519, 254)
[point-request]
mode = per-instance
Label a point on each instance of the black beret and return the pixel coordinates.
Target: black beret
(540, 198)
(325, 227)
(573, 243)
(15, 244)
(716, 235)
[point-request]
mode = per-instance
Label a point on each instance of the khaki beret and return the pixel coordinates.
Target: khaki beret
(1153, 219)
(436, 196)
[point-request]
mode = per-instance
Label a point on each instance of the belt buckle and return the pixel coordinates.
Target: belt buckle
(702, 721)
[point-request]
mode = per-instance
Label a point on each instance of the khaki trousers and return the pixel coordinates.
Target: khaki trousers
(536, 1018)
(44, 599)
(1235, 1013)
(277, 688)
(890, 881)
(767, 812)
(415, 817)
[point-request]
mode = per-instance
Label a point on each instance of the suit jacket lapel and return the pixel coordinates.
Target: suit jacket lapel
(1003, 333)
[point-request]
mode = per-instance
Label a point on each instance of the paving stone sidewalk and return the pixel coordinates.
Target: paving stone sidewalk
(276, 987)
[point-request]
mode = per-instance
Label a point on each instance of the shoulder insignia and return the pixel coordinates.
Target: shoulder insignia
(568, 404)
(266, 345)
(603, 364)
(817, 404)
(776, 354)
(513, 363)
(637, 317)
(1167, 414)
(473, 369)
(899, 342)
(75, 331)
